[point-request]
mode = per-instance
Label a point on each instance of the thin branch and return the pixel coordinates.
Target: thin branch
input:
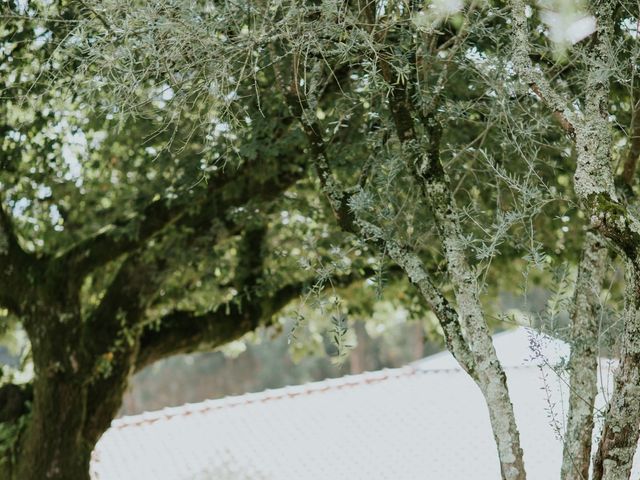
(347, 219)
(532, 75)
(414, 268)
(97, 15)
(334, 192)
(631, 161)
(559, 115)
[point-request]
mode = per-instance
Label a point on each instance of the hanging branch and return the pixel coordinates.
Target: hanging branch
(342, 203)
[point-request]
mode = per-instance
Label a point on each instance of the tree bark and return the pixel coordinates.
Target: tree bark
(423, 160)
(57, 441)
(619, 440)
(53, 447)
(491, 377)
(61, 432)
(594, 186)
(583, 364)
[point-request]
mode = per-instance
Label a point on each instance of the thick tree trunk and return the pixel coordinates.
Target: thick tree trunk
(53, 447)
(67, 418)
(65, 424)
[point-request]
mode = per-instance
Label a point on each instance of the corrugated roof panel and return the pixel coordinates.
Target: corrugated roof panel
(399, 424)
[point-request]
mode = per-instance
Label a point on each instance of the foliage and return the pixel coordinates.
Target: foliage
(175, 173)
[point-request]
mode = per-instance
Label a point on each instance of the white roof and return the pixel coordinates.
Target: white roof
(426, 420)
(521, 347)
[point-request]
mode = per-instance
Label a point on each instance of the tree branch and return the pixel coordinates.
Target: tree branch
(126, 235)
(111, 337)
(422, 156)
(17, 267)
(14, 401)
(414, 268)
(593, 179)
(187, 332)
(251, 254)
(126, 299)
(115, 333)
(533, 76)
(631, 161)
(139, 278)
(341, 204)
(298, 105)
(223, 192)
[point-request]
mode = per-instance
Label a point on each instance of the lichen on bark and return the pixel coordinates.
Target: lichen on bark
(619, 439)
(423, 160)
(583, 362)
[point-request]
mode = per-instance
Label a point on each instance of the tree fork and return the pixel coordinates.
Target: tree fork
(423, 161)
(489, 375)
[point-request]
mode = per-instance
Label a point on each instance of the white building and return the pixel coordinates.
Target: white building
(424, 421)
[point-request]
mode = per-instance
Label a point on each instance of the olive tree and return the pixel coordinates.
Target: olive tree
(468, 144)
(117, 250)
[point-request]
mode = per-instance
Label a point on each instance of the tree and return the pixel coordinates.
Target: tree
(109, 265)
(459, 142)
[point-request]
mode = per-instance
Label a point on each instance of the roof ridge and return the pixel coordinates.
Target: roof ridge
(290, 391)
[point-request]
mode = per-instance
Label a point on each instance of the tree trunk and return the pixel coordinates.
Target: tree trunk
(65, 424)
(53, 447)
(490, 375)
(583, 364)
(74, 400)
(619, 439)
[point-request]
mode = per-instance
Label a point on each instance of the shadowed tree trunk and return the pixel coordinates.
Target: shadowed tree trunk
(83, 360)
